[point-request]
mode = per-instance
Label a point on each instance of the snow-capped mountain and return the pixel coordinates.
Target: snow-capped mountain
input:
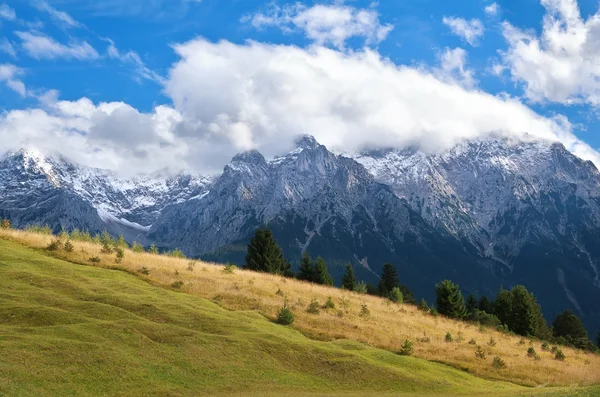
(485, 213)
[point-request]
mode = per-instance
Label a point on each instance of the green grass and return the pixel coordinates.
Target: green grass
(72, 330)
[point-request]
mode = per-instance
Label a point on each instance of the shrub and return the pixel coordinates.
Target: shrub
(285, 316)
(423, 306)
(94, 259)
(484, 318)
(449, 337)
(472, 342)
(177, 284)
(145, 271)
(364, 310)
(521, 341)
(121, 243)
(153, 249)
(63, 235)
(177, 253)
(344, 302)
(407, 348)
(396, 295)
(106, 247)
(545, 346)
(329, 304)
(425, 339)
(498, 363)
(5, 224)
(279, 292)
(492, 342)
(531, 352)
(137, 247)
(191, 266)
(480, 353)
(503, 328)
(229, 268)
(434, 312)
(55, 245)
(69, 246)
(361, 287)
(554, 349)
(559, 355)
(313, 307)
(120, 254)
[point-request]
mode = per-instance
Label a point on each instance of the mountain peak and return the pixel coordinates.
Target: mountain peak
(249, 157)
(307, 142)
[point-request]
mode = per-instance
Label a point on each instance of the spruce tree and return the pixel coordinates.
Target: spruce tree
(502, 307)
(349, 280)
(449, 300)
(485, 305)
(569, 326)
(264, 255)
(389, 280)
(321, 274)
(472, 303)
(307, 269)
(523, 318)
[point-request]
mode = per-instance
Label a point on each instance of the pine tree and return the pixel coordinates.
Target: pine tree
(321, 273)
(349, 280)
(569, 326)
(264, 255)
(307, 269)
(502, 307)
(389, 280)
(484, 305)
(523, 318)
(449, 300)
(472, 303)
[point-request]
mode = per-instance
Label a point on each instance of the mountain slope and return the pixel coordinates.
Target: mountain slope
(70, 329)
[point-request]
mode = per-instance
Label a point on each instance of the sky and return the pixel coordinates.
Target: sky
(143, 85)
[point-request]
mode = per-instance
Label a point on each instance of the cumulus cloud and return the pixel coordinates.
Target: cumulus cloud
(7, 13)
(492, 10)
(228, 97)
(40, 46)
(9, 76)
(453, 66)
(325, 24)
(470, 31)
(561, 64)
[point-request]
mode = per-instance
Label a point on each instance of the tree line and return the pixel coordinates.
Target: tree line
(516, 310)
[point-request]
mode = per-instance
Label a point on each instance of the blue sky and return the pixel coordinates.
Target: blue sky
(90, 68)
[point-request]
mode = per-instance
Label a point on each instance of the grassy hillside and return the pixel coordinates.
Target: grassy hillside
(67, 329)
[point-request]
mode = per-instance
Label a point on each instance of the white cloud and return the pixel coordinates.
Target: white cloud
(325, 24)
(453, 68)
(60, 17)
(7, 47)
(9, 75)
(228, 97)
(470, 31)
(40, 46)
(492, 10)
(133, 58)
(562, 64)
(7, 13)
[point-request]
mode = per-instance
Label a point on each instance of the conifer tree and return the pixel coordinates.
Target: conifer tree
(523, 318)
(502, 307)
(264, 255)
(307, 269)
(450, 301)
(389, 280)
(569, 326)
(321, 273)
(349, 280)
(484, 305)
(472, 303)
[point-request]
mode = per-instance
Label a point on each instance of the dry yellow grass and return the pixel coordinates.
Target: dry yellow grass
(386, 327)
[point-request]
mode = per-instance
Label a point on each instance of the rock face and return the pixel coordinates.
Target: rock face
(485, 213)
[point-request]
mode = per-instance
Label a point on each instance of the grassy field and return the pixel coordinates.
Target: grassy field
(67, 329)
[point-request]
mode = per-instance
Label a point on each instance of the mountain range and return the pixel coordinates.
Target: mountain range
(487, 212)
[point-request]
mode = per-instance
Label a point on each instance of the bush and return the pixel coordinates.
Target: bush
(407, 348)
(177, 284)
(492, 342)
(69, 246)
(229, 268)
(285, 316)
(559, 355)
(191, 266)
(120, 254)
(153, 249)
(313, 307)
(144, 270)
(483, 318)
(396, 295)
(480, 353)
(472, 342)
(177, 253)
(364, 310)
(449, 337)
(545, 346)
(106, 247)
(94, 259)
(137, 247)
(329, 304)
(361, 287)
(531, 352)
(498, 363)
(425, 339)
(503, 328)
(5, 224)
(423, 306)
(55, 245)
